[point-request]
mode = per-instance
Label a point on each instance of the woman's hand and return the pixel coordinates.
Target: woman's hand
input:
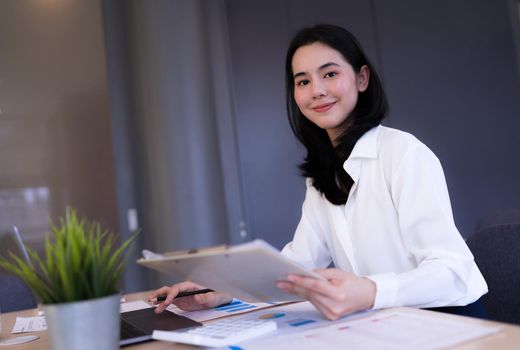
(341, 294)
(188, 303)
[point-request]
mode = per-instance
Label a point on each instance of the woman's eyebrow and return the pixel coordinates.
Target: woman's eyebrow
(328, 64)
(299, 74)
(323, 66)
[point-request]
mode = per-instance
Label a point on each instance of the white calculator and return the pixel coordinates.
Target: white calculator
(221, 333)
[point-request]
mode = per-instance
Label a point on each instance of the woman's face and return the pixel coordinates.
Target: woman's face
(326, 87)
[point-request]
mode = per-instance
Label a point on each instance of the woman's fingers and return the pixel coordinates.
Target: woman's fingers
(306, 285)
(171, 293)
(333, 273)
(212, 299)
(203, 301)
(297, 289)
(323, 305)
(293, 288)
(341, 294)
(322, 302)
(161, 291)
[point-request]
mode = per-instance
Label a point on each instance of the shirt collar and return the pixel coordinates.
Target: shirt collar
(365, 148)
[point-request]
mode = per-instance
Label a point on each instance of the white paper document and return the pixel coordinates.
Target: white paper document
(298, 317)
(393, 331)
(133, 305)
(236, 307)
(246, 271)
(29, 324)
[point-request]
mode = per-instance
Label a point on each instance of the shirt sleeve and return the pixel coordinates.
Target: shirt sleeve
(309, 246)
(446, 274)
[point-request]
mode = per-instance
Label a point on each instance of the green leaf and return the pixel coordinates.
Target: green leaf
(81, 261)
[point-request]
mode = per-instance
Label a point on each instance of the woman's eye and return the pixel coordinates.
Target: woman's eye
(302, 82)
(330, 74)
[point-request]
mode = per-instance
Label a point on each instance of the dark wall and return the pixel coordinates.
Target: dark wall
(452, 79)
(451, 76)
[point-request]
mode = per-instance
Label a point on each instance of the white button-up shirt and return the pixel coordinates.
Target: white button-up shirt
(396, 227)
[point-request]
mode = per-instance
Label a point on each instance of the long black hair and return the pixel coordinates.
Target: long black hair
(324, 162)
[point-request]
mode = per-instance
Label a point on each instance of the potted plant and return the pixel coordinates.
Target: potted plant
(77, 282)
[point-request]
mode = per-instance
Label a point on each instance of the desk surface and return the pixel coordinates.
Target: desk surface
(509, 338)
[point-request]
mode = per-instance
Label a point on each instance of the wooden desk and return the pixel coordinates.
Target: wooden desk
(509, 338)
(8, 320)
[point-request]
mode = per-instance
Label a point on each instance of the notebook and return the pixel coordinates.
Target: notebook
(137, 326)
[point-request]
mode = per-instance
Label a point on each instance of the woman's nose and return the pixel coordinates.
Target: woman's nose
(318, 91)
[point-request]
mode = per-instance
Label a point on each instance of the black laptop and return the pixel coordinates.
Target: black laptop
(138, 326)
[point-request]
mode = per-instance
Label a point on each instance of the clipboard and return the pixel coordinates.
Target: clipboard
(246, 271)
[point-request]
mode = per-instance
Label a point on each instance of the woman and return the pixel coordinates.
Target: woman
(377, 204)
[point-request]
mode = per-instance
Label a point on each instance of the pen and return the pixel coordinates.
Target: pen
(185, 294)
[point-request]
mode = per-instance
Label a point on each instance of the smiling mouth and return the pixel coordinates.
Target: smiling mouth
(324, 107)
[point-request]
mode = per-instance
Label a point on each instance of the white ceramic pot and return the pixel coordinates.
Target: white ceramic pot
(84, 325)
